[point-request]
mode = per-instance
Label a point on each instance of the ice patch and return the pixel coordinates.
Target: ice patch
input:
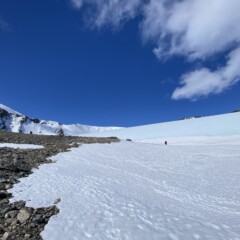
(20, 146)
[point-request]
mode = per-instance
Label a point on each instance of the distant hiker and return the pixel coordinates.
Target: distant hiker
(30, 132)
(165, 142)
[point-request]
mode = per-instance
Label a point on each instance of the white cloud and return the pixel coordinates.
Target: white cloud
(4, 26)
(110, 12)
(202, 82)
(77, 3)
(114, 12)
(194, 29)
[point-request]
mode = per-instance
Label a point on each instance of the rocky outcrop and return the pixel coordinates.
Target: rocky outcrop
(187, 118)
(3, 117)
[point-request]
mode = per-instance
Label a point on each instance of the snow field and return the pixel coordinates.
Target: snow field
(219, 125)
(199, 140)
(21, 146)
(139, 191)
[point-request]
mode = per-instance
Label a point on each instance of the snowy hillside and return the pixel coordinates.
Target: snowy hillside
(14, 121)
(219, 125)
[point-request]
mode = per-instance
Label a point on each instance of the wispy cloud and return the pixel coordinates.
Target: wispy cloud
(194, 29)
(77, 3)
(4, 26)
(109, 12)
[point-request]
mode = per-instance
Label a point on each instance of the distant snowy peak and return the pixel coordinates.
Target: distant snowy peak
(9, 110)
(13, 121)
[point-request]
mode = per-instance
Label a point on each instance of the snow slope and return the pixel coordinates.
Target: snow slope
(20, 146)
(220, 125)
(13, 121)
(9, 110)
(139, 191)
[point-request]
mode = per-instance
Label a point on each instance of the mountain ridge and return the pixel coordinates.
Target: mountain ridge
(13, 121)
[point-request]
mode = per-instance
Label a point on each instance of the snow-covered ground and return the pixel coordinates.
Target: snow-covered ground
(21, 146)
(199, 140)
(140, 191)
(219, 125)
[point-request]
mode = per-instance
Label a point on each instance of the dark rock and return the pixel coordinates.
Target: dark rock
(20, 204)
(38, 219)
(188, 118)
(3, 194)
(3, 181)
(9, 221)
(35, 120)
(58, 200)
(3, 202)
(4, 211)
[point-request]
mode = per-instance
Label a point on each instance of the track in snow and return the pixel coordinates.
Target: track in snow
(139, 191)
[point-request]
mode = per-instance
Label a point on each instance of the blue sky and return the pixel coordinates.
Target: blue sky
(123, 64)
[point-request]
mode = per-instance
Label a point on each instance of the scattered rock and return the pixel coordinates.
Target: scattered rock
(9, 221)
(3, 194)
(4, 211)
(8, 186)
(27, 236)
(58, 200)
(38, 219)
(23, 216)
(3, 202)
(11, 214)
(5, 236)
(236, 111)
(3, 181)
(20, 204)
(32, 225)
